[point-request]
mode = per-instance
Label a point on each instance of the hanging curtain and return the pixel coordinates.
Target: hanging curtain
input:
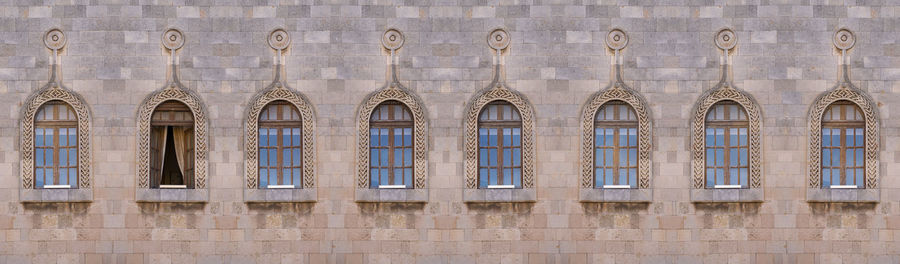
(178, 135)
(159, 133)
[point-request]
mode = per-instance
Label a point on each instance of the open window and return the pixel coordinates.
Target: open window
(172, 146)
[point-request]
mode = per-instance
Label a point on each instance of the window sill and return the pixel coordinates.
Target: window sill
(56, 195)
(727, 195)
(171, 195)
(597, 195)
(816, 195)
(499, 195)
(392, 195)
(280, 195)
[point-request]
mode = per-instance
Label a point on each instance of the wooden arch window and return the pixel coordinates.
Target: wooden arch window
(280, 146)
(56, 146)
(499, 146)
(172, 146)
(727, 148)
(391, 146)
(615, 146)
(843, 146)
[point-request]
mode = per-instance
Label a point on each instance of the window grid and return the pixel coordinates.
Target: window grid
(843, 146)
(615, 146)
(500, 146)
(391, 146)
(727, 146)
(280, 146)
(56, 146)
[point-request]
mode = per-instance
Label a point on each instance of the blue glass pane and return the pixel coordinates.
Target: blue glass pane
(733, 177)
(632, 137)
(507, 177)
(836, 177)
(483, 178)
(295, 137)
(710, 178)
(398, 157)
(398, 177)
(295, 180)
(710, 157)
(63, 137)
(609, 175)
(39, 157)
(743, 136)
(835, 157)
(517, 178)
(734, 156)
(826, 158)
(373, 178)
(407, 136)
(609, 157)
(850, 137)
(273, 176)
(610, 141)
(859, 157)
(720, 137)
(517, 137)
(859, 178)
(598, 178)
(710, 137)
(507, 157)
(623, 137)
(826, 137)
(860, 137)
(63, 177)
(407, 177)
(39, 137)
(623, 176)
(73, 133)
(720, 176)
(273, 157)
(836, 137)
(507, 137)
(286, 137)
(483, 137)
(517, 157)
(398, 137)
(632, 177)
(744, 177)
(48, 159)
(384, 176)
(632, 157)
(39, 178)
(720, 157)
(493, 157)
(483, 157)
(849, 155)
(73, 159)
(373, 137)
(72, 176)
(295, 155)
(492, 136)
(598, 158)
(286, 157)
(384, 157)
(263, 136)
(622, 157)
(373, 158)
(407, 157)
(263, 178)
(598, 137)
(744, 157)
(63, 157)
(850, 176)
(273, 137)
(384, 137)
(826, 178)
(733, 137)
(493, 176)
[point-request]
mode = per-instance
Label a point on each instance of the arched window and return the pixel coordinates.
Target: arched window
(727, 148)
(56, 146)
(280, 146)
(391, 146)
(172, 146)
(615, 146)
(843, 146)
(499, 146)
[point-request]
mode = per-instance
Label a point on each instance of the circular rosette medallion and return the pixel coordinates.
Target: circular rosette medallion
(616, 39)
(55, 39)
(392, 39)
(844, 39)
(498, 39)
(726, 39)
(279, 39)
(173, 39)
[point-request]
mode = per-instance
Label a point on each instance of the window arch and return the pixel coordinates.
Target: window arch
(594, 117)
(389, 110)
(615, 146)
(728, 110)
(480, 115)
(56, 141)
(499, 146)
(843, 121)
(272, 112)
(391, 146)
(727, 147)
(172, 115)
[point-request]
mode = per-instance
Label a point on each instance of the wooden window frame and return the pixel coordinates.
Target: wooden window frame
(391, 124)
(616, 125)
(843, 124)
(727, 146)
(172, 107)
(56, 124)
(500, 125)
(279, 125)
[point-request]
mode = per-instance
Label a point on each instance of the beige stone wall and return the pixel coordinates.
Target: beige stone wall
(784, 59)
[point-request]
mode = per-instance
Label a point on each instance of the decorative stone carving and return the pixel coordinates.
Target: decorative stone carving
(617, 91)
(498, 39)
(393, 90)
(55, 40)
(173, 90)
(279, 40)
(844, 39)
(725, 91)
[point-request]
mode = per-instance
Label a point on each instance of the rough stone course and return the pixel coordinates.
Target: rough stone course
(557, 59)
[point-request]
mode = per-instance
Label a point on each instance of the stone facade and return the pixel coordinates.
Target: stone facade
(558, 59)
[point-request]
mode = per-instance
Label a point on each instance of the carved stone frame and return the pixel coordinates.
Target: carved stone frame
(83, 191)
(698, 139)
(870, 111)
(471, 133)
(420, 133)
(145, 111)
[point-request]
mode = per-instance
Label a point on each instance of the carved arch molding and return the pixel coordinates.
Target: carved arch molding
(201, 137)
(252, 132)
(587, 136)
(471, 134)
(698, 127)
(84, 134)
(815, 133)
(420, 133)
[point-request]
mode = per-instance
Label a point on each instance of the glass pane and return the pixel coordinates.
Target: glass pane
(610, 140)
(507, 157)
(517, 157)
(733, 177)
(720, 176)
(39, 157)
(398, 137)
(273, 137)
(836, 177)
(63, 137)
(295, 155)
(263, 135)
(710, 137)
(407, 157)
(407, 177)
(609, 157)
(39, 178)
(483, 157)
(507, 177)
(598, 137)
(398, 177)
(859, 178)
(384, 158)
(826, 178)
(493, 157)
(851, 173)
(744, 157)
(859, 157)
(273, 176)
(733, 157)
(516, 137)
(720, 137)
(483, 178)
(373, 157)
(407, 137)
(743, 136)
(609, 176)
(286, 157)
(398, 157)
(295, 137)
(850, 136)
(63, 160)
(295, 178)
(623, 157)
(384, 137)
(48, 158)
(733, 137)
(384, 176)
(63, 177)
(373, 178)
(744, 179)
(492, 137)
(859, 137)
(826, 157)
(710, 157)
(493, 176)
(507, 137)
(273, 157)
(826, 137)
(710, 178)
(720, 157)
(517, 178)
(849, 159)
(835, 157)
(263, 178)
(73, 175)
(483, 137)
(598, 178)
(632, 137)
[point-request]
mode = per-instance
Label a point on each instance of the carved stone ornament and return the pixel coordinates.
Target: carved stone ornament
(55, 91)
(616, 39)
(498, 39)
(497, 91)
(279, 91)
(173, 90)
(725, 91)
(393, 91)
(844, 91)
